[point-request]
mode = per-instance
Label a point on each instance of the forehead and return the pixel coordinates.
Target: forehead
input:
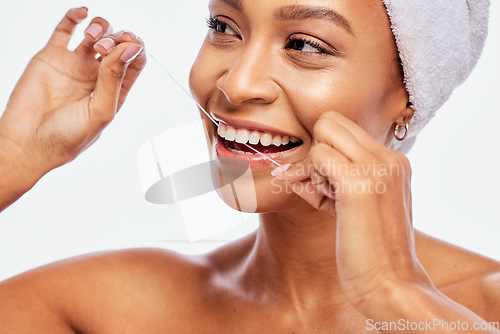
(349, 13)
(242, 4)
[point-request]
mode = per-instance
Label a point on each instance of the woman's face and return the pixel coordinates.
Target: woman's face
(269, 69)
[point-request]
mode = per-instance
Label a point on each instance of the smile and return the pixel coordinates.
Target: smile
(236, 139)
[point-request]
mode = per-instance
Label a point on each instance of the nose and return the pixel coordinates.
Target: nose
(250, 80)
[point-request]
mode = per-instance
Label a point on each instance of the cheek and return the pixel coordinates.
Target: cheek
(203, 76)
(313, 94)
(197, 81)
(357, 97)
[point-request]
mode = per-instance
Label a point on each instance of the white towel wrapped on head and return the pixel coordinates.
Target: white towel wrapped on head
(439, 43)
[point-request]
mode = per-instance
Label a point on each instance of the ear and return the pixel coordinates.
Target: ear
(405, 114)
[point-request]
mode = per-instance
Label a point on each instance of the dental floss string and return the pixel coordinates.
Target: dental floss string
(201, 108)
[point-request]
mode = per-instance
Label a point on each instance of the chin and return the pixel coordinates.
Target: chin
(252, 192)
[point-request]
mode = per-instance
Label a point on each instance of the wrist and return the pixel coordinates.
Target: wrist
(16, 175)
(399, 299)
(422, 308)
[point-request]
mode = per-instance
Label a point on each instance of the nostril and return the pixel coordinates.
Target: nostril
(247, 89)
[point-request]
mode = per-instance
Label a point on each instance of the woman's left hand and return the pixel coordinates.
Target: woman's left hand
(367, 187)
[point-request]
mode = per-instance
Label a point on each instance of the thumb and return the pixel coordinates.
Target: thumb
(104, 102)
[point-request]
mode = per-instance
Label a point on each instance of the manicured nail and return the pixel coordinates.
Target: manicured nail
(94, 30)
(106, 43)
(280, 170)
(130, 53)
(131, 34)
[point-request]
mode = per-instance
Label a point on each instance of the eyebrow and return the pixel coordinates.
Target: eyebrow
(236, 4)
(297, 12)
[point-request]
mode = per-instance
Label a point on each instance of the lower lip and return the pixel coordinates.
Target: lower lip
(256, 161)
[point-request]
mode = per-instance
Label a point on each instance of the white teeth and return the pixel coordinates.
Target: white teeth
(239, 152)
(242, 136)
(266, 139)
(221, 131)
(276, 141)
(230, 134)
(254, 137)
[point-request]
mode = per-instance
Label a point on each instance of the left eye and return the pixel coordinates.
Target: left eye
(305, 45)
(220, 27)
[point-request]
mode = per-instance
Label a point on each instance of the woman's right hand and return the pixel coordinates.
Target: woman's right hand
(65, 99)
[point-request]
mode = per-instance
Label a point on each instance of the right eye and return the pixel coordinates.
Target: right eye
(219, 26)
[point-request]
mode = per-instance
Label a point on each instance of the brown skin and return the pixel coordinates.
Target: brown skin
(288, 277)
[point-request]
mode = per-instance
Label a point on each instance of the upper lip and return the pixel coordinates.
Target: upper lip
(249, 125)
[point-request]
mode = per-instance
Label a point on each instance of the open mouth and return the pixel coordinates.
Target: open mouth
(236, 141)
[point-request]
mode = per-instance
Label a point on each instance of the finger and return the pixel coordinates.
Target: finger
(311, 195)
(329, 131)
(106, 44)
(359, 133)
(328, 162)
(316, 177)
(97, 29)
(295, 173)
(328, 190)
(113, 68)
(135, 68)
(64, 30)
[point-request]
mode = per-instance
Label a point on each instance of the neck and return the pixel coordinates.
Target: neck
(294, 257)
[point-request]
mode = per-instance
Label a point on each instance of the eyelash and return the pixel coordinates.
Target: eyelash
(214, 23)
(309, 42)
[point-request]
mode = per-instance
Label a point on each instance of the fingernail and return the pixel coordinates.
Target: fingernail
(94, 30)
(106, 43)
(131, 34)
(280, 170)
(130, 53)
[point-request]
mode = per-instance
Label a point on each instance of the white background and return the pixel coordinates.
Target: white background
(96, 202)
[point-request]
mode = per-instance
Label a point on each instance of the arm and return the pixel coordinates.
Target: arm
(15, 176)
(63, 101)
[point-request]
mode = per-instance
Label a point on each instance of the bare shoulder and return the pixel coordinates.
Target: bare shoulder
(103, 289)
(479, 293)
(471, 279)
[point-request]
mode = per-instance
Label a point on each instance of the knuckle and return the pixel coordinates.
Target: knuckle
(114, 72)
(403, 158)
(390, 158)
(70, 17)
(117, 74)
(64, 29)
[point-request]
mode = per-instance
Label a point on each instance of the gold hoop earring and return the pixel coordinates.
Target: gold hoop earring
(398, 127)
